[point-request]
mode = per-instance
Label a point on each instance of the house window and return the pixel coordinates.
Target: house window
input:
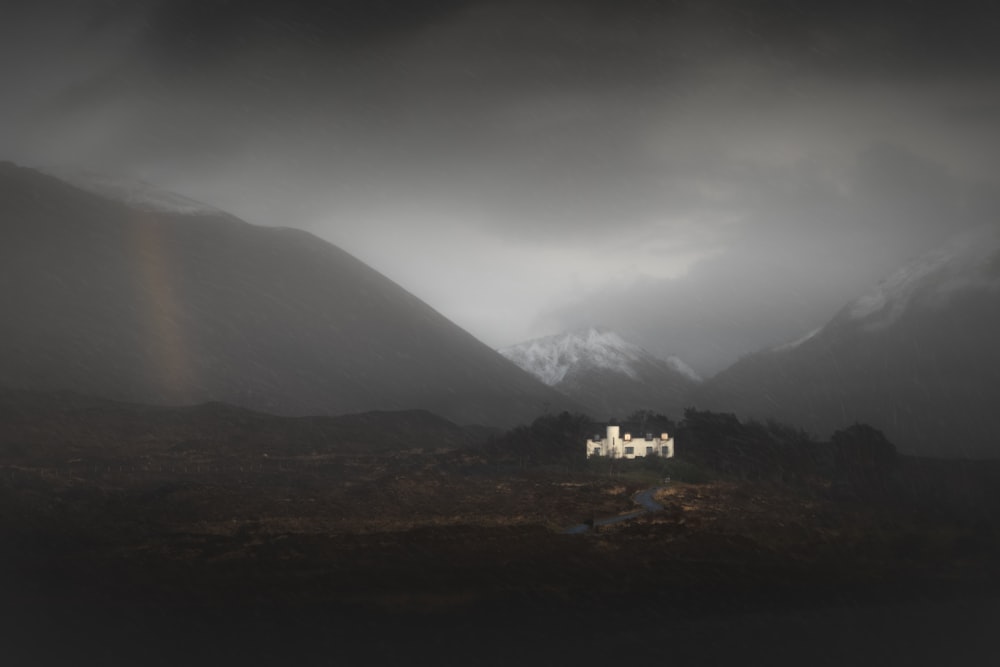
(649, 450)
(629, 450)
(649, 436)
(664, 450)
(597, 451)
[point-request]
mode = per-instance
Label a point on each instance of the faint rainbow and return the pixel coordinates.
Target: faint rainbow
(161, 310)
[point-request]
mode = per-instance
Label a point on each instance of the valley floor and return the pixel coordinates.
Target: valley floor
(440, 559)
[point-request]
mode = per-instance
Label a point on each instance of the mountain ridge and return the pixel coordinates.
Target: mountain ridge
(598, 368)
(915, 356)
(169, 308)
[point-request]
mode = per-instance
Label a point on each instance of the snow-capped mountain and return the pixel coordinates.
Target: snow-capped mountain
(917, 357)
(600, 369)
(552, 357)
(966, 262)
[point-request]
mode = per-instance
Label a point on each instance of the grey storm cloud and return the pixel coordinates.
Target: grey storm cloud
(812, 242)
(747, 164)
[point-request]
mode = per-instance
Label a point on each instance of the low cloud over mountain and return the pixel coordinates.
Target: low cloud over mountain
(139, 302)
(916, 357)
(603, 371)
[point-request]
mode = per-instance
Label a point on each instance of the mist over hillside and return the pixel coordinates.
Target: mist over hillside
(258, 257)
(146, 304)
(916, 356)
(600, 369)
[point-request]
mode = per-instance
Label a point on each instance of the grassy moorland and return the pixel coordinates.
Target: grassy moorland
(213, 536)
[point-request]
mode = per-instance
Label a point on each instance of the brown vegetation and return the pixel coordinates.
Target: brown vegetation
(405, 547)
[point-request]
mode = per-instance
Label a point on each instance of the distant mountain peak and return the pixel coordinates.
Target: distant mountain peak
(600, 369)
(968, 260)
(552, 358)
(915, 357)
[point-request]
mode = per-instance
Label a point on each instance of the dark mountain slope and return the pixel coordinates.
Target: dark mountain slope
(156, 307)
(59, 426)
(917, 357)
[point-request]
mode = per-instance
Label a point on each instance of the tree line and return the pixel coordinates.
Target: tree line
(719, 444)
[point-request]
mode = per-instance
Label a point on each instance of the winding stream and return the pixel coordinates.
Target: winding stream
(643, 498)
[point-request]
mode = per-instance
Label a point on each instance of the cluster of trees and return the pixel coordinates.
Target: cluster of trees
(550, 439)
(858, 456)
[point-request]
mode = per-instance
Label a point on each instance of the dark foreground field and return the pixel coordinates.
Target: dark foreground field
(167, 555)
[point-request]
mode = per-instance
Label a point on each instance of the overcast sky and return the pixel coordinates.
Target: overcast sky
(708, 178)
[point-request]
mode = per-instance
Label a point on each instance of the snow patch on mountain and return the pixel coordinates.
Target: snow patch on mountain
(136, 194)
(682, 368)
(967, 261)
(552, 357)
(798, 341)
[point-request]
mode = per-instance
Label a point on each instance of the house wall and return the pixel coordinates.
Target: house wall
(616, 445)
(614, 441)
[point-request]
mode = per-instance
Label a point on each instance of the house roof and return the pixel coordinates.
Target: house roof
(637, 430)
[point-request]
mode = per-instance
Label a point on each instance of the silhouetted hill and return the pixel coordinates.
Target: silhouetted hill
(59, 426)
(917, 357)
(142, 304)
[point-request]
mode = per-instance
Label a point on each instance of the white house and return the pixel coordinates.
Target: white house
(618, 445)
